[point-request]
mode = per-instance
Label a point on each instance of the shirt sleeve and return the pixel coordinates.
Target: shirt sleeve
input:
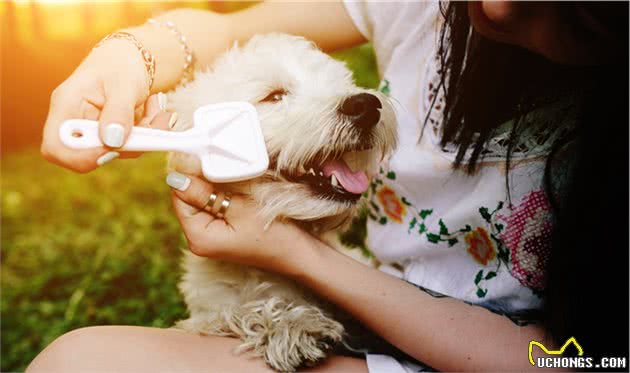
(358, 12)
(389, 25)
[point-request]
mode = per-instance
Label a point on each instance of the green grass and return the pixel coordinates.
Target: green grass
(94, 249)
(83, 250)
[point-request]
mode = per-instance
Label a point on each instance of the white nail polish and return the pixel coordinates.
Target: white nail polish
(162, 100)
(107, 157)
(173, 120)
(114, 135)
(177, 181)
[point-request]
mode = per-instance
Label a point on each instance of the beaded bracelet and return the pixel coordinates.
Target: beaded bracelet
(147, 57)
(189, 57)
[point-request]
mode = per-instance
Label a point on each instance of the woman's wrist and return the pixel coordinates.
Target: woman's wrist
(122, 59)
(206, 34)
(308, 259)
(293, 251)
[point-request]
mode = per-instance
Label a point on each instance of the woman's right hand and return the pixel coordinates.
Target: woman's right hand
(111, 85)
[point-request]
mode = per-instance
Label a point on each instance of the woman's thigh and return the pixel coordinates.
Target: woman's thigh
(140, 349)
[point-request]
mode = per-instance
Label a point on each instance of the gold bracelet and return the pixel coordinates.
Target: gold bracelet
(189, 57)
(147, 57)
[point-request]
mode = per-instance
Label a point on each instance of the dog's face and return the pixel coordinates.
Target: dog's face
(325, 136)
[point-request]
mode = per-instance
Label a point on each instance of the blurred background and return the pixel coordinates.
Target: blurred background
(79, 250)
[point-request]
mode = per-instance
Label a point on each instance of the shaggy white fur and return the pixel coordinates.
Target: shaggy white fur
(297, 91)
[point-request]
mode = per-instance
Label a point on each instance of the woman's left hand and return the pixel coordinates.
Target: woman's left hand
(240, 236)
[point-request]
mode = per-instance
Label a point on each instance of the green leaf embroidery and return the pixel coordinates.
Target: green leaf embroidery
(391, 175)
(443, 229)
(383, 220)
(452, 242)
(355, 235)
(484, 214)
(384, 87)
(481, 292)
(499, 227)
(422, 228)
(433, 238)
(495, 239)
(412, 224)
(490, 275)
(478, 277)
(404, 200)
(503, 255)
(425, 213)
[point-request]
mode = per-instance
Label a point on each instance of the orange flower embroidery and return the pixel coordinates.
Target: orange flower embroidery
(480, 246)
(394, 209)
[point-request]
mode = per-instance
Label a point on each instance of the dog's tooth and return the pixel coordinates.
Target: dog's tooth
(310, 171)
(333, 181)
(321, 173)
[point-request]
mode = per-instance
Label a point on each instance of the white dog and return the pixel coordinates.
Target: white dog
(325, 138)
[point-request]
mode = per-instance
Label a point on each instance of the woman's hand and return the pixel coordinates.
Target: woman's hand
(425, 325)
(240, 236)
(111, 86)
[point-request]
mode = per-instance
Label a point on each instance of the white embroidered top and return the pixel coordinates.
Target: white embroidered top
(432, 225)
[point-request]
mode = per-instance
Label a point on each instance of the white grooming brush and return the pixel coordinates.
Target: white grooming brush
(226, 137)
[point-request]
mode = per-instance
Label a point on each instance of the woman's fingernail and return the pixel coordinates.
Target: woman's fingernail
(177, 181)
(114, 135)
(162, 100)
(107, 157)
(173, 120)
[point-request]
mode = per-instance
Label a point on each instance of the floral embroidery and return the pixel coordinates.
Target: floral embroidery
(502, 254)
(396, 208)
(480, 246)
(528, 236)
(392, 205)
(521, 248)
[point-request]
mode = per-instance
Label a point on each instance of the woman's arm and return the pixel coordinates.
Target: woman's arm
(447, 334)
(209, 33)
(111, 83)
(443, 332)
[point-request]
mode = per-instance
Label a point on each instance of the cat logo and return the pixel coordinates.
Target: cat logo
(554, 352)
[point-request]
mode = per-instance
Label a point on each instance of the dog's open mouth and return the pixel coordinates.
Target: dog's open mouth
(342, 179)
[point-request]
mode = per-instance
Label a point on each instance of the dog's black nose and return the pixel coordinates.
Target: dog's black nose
(362, 109)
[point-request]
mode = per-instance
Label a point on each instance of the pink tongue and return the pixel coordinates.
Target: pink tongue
(356, 183)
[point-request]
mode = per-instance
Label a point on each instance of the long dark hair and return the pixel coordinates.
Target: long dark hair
(486, 83)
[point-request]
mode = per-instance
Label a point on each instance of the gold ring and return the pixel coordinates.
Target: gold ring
(210, 204)
(224, 206)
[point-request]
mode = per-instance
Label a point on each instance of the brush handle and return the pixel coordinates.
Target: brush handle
(83, 134)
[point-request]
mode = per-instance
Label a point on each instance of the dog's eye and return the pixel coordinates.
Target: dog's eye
(275, 96)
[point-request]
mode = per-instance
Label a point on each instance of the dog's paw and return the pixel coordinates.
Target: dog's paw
(287, 336)
(284, 335)
(290, 337)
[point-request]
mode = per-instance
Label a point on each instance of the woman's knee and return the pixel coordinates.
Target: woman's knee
(133, 349)
(76, 350)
